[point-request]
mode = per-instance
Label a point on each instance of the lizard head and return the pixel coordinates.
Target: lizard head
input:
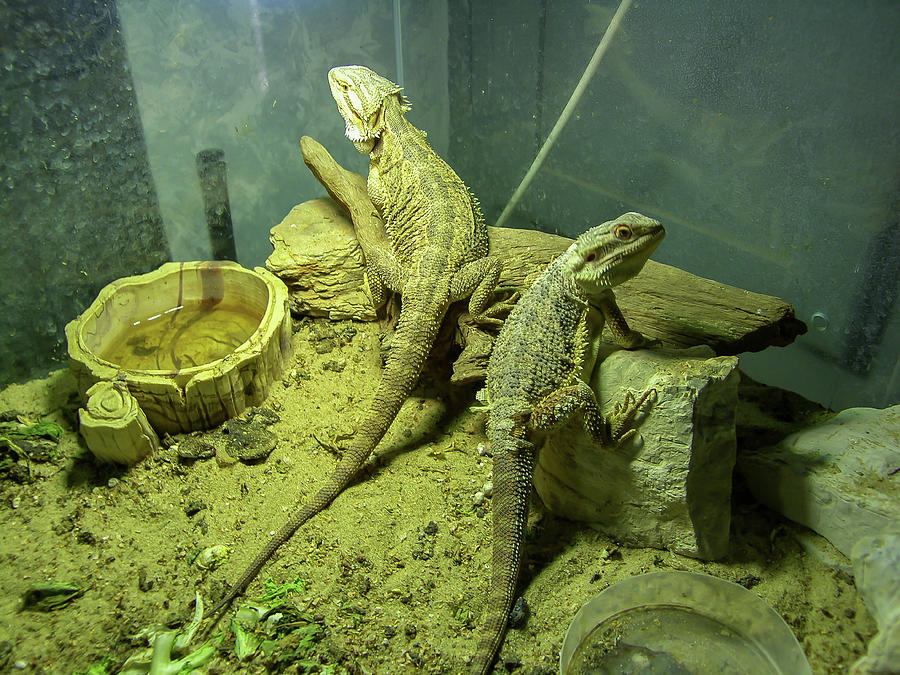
(361, 95)
(608, 254)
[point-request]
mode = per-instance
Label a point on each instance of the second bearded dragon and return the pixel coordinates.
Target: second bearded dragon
(537, 379)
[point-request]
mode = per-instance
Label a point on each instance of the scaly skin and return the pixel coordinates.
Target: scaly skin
(437, 255)
(537, 379)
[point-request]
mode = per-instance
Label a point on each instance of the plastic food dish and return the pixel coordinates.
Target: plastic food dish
(679, 623)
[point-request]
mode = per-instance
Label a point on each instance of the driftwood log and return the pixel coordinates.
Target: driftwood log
(663, 302)
(318, 256)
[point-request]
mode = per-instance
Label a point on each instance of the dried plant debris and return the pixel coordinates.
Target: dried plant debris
(273, 628)
(50, 596)
(23, 441)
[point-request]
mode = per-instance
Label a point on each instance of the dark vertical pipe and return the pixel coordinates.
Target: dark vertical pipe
(213, 186)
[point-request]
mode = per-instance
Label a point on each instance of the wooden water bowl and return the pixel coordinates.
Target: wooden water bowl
(195, 343)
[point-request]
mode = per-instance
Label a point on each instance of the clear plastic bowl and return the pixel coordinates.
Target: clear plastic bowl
(680, 623)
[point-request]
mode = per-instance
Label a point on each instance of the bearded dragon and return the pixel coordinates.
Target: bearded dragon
(537, 379)
(438, 254)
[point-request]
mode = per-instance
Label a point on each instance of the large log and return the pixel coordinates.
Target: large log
(663, 302)
(666, 303)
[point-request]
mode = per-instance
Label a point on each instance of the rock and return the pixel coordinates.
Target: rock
(247, 438)
(876, 564)
(518, 615)
(876, 568)
(837, 477)
(192, 447)
(883, 653)
(317, 256)
(670, 490)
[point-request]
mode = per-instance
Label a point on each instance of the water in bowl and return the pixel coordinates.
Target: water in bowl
(182, 337)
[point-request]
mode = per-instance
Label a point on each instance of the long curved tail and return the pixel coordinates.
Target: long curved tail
(513, 466)
(414, 336)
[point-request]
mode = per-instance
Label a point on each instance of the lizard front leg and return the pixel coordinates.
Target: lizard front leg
(618, 326)
(560, 405)
(383, 272)
(477, 280)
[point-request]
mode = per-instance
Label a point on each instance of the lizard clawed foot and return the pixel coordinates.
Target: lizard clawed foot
(496, 314)
(620, 422)
(333, 445)
(637, 340)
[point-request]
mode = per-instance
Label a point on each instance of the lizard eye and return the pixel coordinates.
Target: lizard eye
(623, 232)
(590, 257)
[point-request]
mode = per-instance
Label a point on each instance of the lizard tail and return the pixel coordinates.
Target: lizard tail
(513, 460)
(414, 336)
